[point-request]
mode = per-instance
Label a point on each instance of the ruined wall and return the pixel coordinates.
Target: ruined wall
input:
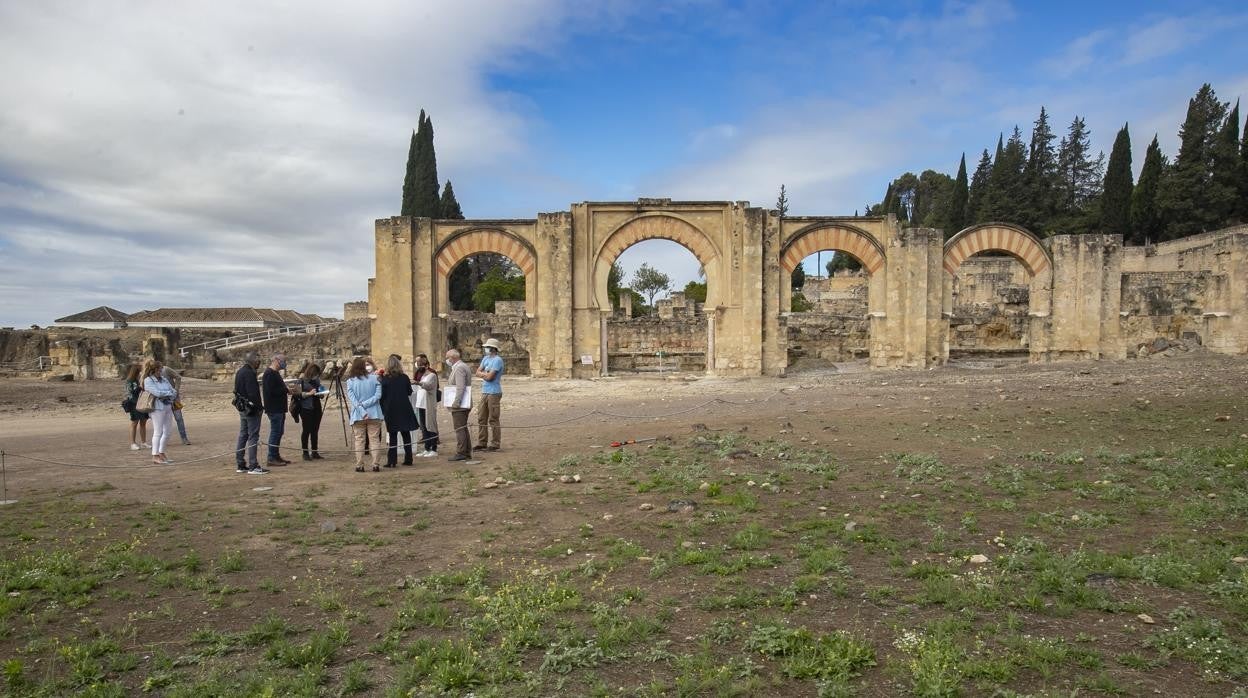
(634, 343)
(991, 298)
(467, 331)
(88, 354)
(355, 310)
(1195, 288)
(823, 338)
(843, 294)
(1161, 304)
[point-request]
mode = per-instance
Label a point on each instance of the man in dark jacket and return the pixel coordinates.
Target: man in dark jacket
(247, 400)
(275, 405)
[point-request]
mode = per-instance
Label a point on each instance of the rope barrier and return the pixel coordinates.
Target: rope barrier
(422, 441)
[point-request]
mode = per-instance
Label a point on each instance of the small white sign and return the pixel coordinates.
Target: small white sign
(587, 360)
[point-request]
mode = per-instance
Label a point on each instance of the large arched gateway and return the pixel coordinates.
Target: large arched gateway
(748, 254)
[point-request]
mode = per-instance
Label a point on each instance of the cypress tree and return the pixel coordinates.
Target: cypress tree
(1242, 210)
(1006, 192)
(958, 201)
(426, 201)
(1116, 199)
(1040, 176)
(979, 189)
(449, 207)
(409, 179)
(1224, 172)
(1184, 195)
(1146, 223)
(988, 200)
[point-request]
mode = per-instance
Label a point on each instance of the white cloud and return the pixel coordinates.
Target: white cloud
(205, 134)
(1076, 55)
(1163, 37)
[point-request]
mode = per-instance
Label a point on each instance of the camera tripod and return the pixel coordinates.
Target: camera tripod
(339, 394)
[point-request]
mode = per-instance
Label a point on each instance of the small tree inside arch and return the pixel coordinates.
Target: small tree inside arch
(650, 281)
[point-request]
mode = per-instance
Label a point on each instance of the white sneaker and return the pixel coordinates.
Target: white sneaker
(145, 445)
(429, 454)
(135, 447)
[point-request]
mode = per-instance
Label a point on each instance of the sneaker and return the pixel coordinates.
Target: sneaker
(145, 445)
(458, 457)
(257, 470)
(135, 447)
(493, 448)
(241, 469)
(429, 454)
(185, 442)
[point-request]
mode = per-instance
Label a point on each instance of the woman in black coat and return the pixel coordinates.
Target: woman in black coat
(310, 409)
(396, 407)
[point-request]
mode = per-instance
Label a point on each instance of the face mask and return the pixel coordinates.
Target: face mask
(450, 363)
(282, 365)
(369, 368)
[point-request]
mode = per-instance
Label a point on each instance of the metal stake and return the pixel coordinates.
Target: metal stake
(4, 482)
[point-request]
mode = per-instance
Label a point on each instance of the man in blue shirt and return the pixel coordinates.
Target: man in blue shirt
(490, 371)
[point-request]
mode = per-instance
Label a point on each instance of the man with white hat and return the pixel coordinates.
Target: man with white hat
(490, 371)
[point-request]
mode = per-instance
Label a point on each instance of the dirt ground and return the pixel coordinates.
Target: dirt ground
(859, 414)
(510, 510)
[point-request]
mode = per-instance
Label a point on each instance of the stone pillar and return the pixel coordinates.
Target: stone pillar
(391, 303)
(1086, 298)
(777, 298)
(913, 329)
(1039, 315)
(551, 353)
(1226, 315)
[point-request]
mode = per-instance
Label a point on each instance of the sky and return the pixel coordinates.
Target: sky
(237, 154)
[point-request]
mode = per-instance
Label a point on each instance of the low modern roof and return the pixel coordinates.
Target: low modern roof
(201, 315)
(101, 314)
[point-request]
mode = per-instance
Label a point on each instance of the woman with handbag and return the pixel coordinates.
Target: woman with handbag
(426, 403)
(160, 394)
(138, 420)
(310, 410)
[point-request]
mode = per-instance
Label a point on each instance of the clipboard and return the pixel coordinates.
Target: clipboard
(450, 395)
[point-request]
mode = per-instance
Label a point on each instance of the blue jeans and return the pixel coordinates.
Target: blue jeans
(277, 427)
(177, 417)
(249, 439)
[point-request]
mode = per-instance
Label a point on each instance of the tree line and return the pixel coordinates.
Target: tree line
(1050, 185)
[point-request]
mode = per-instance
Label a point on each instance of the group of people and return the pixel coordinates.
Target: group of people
(162, 406)
(389, 397)
(273, 397)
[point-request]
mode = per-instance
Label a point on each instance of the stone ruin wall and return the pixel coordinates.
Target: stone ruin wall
(355, 310)
(990, 302)
(991, 298)
(1192, 289)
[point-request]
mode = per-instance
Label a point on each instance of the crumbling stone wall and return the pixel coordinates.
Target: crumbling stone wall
(635, 343)
(991, 298)
(467, 330)
(1164, 305)
(821, 338)
(843, 294)
(355, 310)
